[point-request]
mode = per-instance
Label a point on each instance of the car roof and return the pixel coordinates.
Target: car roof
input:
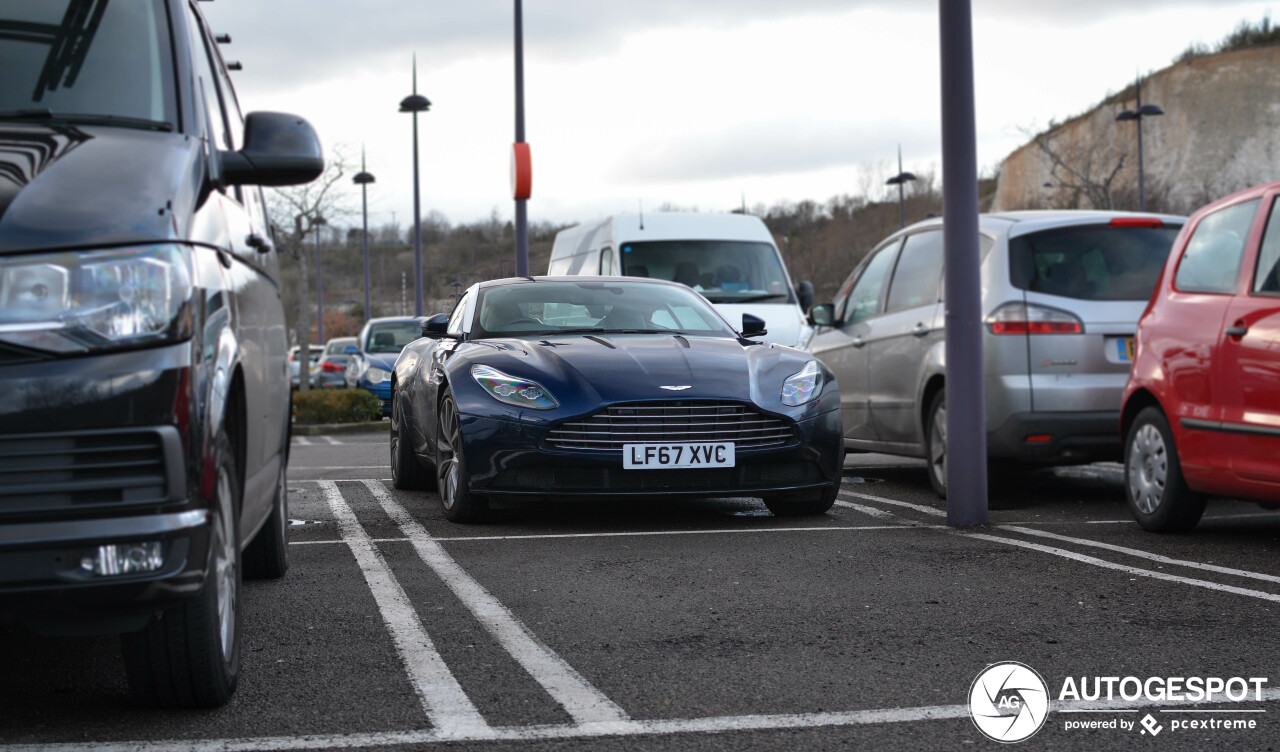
(1024, 222)
(575, 278)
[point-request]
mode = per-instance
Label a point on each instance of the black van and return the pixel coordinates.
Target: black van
(144, 380)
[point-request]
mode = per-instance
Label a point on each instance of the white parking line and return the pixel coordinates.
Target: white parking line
(1144, 554)
(446, 704)
(667, 727)
(1124, 568)
(583, 702)
(879, 514)
(339, 467)
(332, 441)
(640, 534)
(302, 441)
(894, 502)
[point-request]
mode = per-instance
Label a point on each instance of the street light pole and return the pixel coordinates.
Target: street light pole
(901, 179)
(318, 223)
(363, 179)
(1141, 111)
(416, 103)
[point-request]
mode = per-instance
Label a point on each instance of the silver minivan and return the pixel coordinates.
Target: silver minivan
(1061, 293)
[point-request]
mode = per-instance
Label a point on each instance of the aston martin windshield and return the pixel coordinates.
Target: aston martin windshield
(106, 62)
(594, 307)
(725, 271)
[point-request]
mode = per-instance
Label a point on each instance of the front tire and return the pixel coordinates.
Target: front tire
(407, 473)
(188, 656)
(459, 504)
(267, 556)
(1157, 493)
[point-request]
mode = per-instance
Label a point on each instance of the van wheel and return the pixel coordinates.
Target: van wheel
(1158, 495)
(935, 443)
(188, 656)
(267, 556)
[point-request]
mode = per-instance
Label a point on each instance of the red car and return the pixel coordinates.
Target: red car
(1201, 410)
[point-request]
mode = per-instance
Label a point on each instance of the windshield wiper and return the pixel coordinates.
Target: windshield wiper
(44, 113)
(752, 298)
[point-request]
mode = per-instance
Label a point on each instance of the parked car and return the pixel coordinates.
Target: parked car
(1202, 406)
(730, 258)
(330, 371)
(295, 363)
(145, 424)
(1062, 292)
(379, 343)
(638, 388)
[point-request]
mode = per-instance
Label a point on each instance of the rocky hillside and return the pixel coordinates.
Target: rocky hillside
(1220, 133)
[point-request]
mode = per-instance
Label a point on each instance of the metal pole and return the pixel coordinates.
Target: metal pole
(522, 212)
(1142, 189)
(966, 439)
(902, 201)
(319, 298)
(417, 222)
(364, 205)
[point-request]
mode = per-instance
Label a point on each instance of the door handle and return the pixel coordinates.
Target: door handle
(1239, 330)
(920, 330)
(858, 342)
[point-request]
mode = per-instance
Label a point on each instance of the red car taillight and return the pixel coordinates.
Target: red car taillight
(330, 367)
(1027, 318)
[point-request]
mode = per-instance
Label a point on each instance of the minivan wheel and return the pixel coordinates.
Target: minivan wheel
(188, 656)
(935, 443)
(1158, 495)
(456, 499)
(267, 555)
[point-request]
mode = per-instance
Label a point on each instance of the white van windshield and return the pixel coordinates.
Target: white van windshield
(724, 271)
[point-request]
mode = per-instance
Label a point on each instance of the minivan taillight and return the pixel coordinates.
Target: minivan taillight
(330, 367)
(1137, 222)
(1025, 318)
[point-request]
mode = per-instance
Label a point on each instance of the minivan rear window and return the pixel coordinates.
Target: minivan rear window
(1093, 262)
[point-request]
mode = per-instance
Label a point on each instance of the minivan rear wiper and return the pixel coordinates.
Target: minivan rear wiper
(44, 113)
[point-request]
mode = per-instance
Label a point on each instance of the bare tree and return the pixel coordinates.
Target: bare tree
(1083, 168)
(296, 212)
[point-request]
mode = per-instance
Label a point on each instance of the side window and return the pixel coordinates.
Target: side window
(915, 280)
(606, 262)
(206, 85)
(864, 300)
(1211, 262)
(1266, 278)
(459, 310)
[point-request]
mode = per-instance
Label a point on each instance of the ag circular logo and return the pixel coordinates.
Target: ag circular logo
(1009, 702)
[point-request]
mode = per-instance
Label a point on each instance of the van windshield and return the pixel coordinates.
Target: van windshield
(87, 61)
(1098, 262)
(724, 271)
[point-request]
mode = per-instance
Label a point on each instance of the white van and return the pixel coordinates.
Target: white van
(730, 258)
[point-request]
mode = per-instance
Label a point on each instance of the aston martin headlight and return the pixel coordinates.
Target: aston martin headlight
(803, 386)
(375, 375)
(513, 391)
(90, 300)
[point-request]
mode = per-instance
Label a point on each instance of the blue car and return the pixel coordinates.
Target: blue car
(379, 343)
(564, 387)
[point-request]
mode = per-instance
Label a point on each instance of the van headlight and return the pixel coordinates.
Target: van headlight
(79, 301)
(802, 386)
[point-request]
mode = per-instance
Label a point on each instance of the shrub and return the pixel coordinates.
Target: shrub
(335, 406)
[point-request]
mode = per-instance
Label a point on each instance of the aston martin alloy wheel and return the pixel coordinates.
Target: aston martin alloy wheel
(406, 471)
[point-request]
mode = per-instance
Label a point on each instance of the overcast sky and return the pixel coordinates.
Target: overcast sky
(697, 103)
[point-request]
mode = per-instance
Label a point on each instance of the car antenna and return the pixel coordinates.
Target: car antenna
(641, 202)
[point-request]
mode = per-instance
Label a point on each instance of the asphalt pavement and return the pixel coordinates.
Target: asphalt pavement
(707, 625)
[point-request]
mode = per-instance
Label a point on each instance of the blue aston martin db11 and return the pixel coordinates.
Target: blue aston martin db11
(571, 387)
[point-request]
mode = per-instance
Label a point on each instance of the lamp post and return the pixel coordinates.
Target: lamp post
(900, 180)
(416, 103)
(363, 179)
(521, 167)
(1138, 113)
(318, 223)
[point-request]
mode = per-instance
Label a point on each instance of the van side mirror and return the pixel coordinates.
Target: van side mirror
(753, 326)
(436, 326)
(279, 149)
(822, 315)
(804, 291)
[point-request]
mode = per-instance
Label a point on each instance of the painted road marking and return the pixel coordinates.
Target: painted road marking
(332, 441)
(302, 441)
(1145, 554)
(339, 467)
(894, 502)
(446, 704)
(643, 534)
(583, 702)
(879, 514)
(714, 725)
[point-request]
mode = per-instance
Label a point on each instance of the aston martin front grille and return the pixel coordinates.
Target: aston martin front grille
(671, 423)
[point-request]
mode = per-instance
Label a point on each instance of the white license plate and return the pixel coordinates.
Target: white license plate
(676, 456)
